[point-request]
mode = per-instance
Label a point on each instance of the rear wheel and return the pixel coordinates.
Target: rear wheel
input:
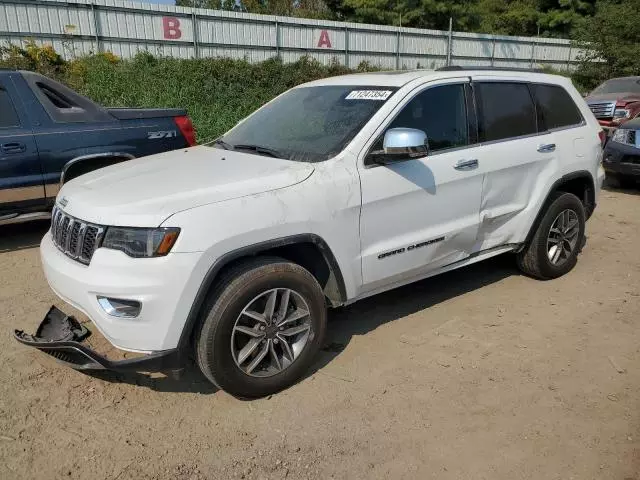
(263, 327)
(555, 245)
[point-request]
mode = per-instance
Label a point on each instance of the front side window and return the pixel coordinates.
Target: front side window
(307, 124)
(440, 112)
(506, 110)
(555, 106)
(8, 115)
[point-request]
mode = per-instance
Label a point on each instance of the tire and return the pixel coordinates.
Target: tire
(613, 181)
(619, 181)
(220, 340)
(534, 259)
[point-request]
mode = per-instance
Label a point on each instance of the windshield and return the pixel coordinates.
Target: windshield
(307, 124)
(619, 85)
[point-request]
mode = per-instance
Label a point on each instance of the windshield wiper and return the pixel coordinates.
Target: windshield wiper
(223, 144)
(259, 149)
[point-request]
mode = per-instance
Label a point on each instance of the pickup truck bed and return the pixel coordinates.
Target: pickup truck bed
(50, 134)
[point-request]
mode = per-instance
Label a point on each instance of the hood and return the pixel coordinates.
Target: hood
(633, 124)
(622, 97)
(145, 191)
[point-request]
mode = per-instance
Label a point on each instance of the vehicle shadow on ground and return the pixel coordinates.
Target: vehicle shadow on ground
(632, 190)
(190, 380)
(367, 315)
(345, 323)
(22, 236)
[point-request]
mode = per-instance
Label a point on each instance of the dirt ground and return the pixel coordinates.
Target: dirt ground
(478, 374)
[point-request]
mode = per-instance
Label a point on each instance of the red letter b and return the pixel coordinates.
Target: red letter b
(171, 27)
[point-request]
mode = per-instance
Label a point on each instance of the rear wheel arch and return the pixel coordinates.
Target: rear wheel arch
(310, 251)
(578, 183)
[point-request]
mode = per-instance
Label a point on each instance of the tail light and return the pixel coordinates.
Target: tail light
(186, 128)
(603, 137)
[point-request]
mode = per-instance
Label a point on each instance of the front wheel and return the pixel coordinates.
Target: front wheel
(263, 327)
(555, 245)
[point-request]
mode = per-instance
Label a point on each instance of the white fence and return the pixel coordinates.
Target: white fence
(78, 27)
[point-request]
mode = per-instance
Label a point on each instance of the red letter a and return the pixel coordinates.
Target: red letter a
(324, 40)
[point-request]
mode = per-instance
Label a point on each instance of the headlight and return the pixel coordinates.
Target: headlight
(141, 242)
(624, 135)
(620, 113)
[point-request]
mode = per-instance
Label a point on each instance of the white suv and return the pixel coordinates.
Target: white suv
(334, 191)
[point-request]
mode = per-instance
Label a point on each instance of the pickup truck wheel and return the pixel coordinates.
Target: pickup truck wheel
(554, 248)
(619, 181)
(264, 324)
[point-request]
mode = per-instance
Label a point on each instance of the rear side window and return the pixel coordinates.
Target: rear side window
(8, 115)
(506, 110)
(555, 107)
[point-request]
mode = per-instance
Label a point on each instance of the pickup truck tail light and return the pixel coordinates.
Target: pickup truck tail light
(603, 137)
(186, 128)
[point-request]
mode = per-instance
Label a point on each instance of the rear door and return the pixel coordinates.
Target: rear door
(517, 157)
(21, 183)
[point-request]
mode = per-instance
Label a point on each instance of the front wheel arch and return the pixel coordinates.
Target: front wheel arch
(285, 247)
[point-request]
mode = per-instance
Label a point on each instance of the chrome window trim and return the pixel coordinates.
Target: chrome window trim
(470, 81)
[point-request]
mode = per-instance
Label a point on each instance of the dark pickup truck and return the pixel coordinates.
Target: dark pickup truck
(49, 134)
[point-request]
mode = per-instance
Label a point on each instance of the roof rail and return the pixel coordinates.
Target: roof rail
(452, 68)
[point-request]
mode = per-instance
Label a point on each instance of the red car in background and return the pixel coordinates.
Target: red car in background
(615, 101)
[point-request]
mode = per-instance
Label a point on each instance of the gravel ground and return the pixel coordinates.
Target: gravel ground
(478, 374)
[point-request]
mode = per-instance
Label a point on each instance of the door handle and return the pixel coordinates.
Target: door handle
(547, 147)
(13, 147)
(466, 164)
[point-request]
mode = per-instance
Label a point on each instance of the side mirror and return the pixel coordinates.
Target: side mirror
(401, 144)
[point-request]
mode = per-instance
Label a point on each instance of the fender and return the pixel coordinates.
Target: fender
(93, 156)
(564, 179)
(247, 251)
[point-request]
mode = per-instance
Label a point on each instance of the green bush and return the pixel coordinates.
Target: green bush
(217, 92)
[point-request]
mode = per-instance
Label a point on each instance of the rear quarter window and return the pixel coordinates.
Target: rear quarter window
(506, 110)
(555, 106)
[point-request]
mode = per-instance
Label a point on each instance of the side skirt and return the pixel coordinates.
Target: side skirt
(474, 258)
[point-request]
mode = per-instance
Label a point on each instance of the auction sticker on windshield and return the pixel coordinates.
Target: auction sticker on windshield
(368, 95)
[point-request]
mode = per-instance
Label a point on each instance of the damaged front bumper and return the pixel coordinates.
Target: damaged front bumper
(61, 336)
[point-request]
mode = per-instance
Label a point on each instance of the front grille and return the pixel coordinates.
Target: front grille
(603, 109)
(77, 239)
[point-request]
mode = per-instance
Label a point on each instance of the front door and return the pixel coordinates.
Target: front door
(422, 214)
(21, 186)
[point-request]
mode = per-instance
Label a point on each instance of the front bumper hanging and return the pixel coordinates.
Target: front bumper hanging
(61, 336)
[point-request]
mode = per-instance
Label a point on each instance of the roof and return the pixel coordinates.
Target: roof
(398, 78)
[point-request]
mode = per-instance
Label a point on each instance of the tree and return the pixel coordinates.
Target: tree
(550, 18)
(611, 42)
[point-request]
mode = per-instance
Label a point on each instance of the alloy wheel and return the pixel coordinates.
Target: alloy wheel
(271, 332)
(563, 237)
